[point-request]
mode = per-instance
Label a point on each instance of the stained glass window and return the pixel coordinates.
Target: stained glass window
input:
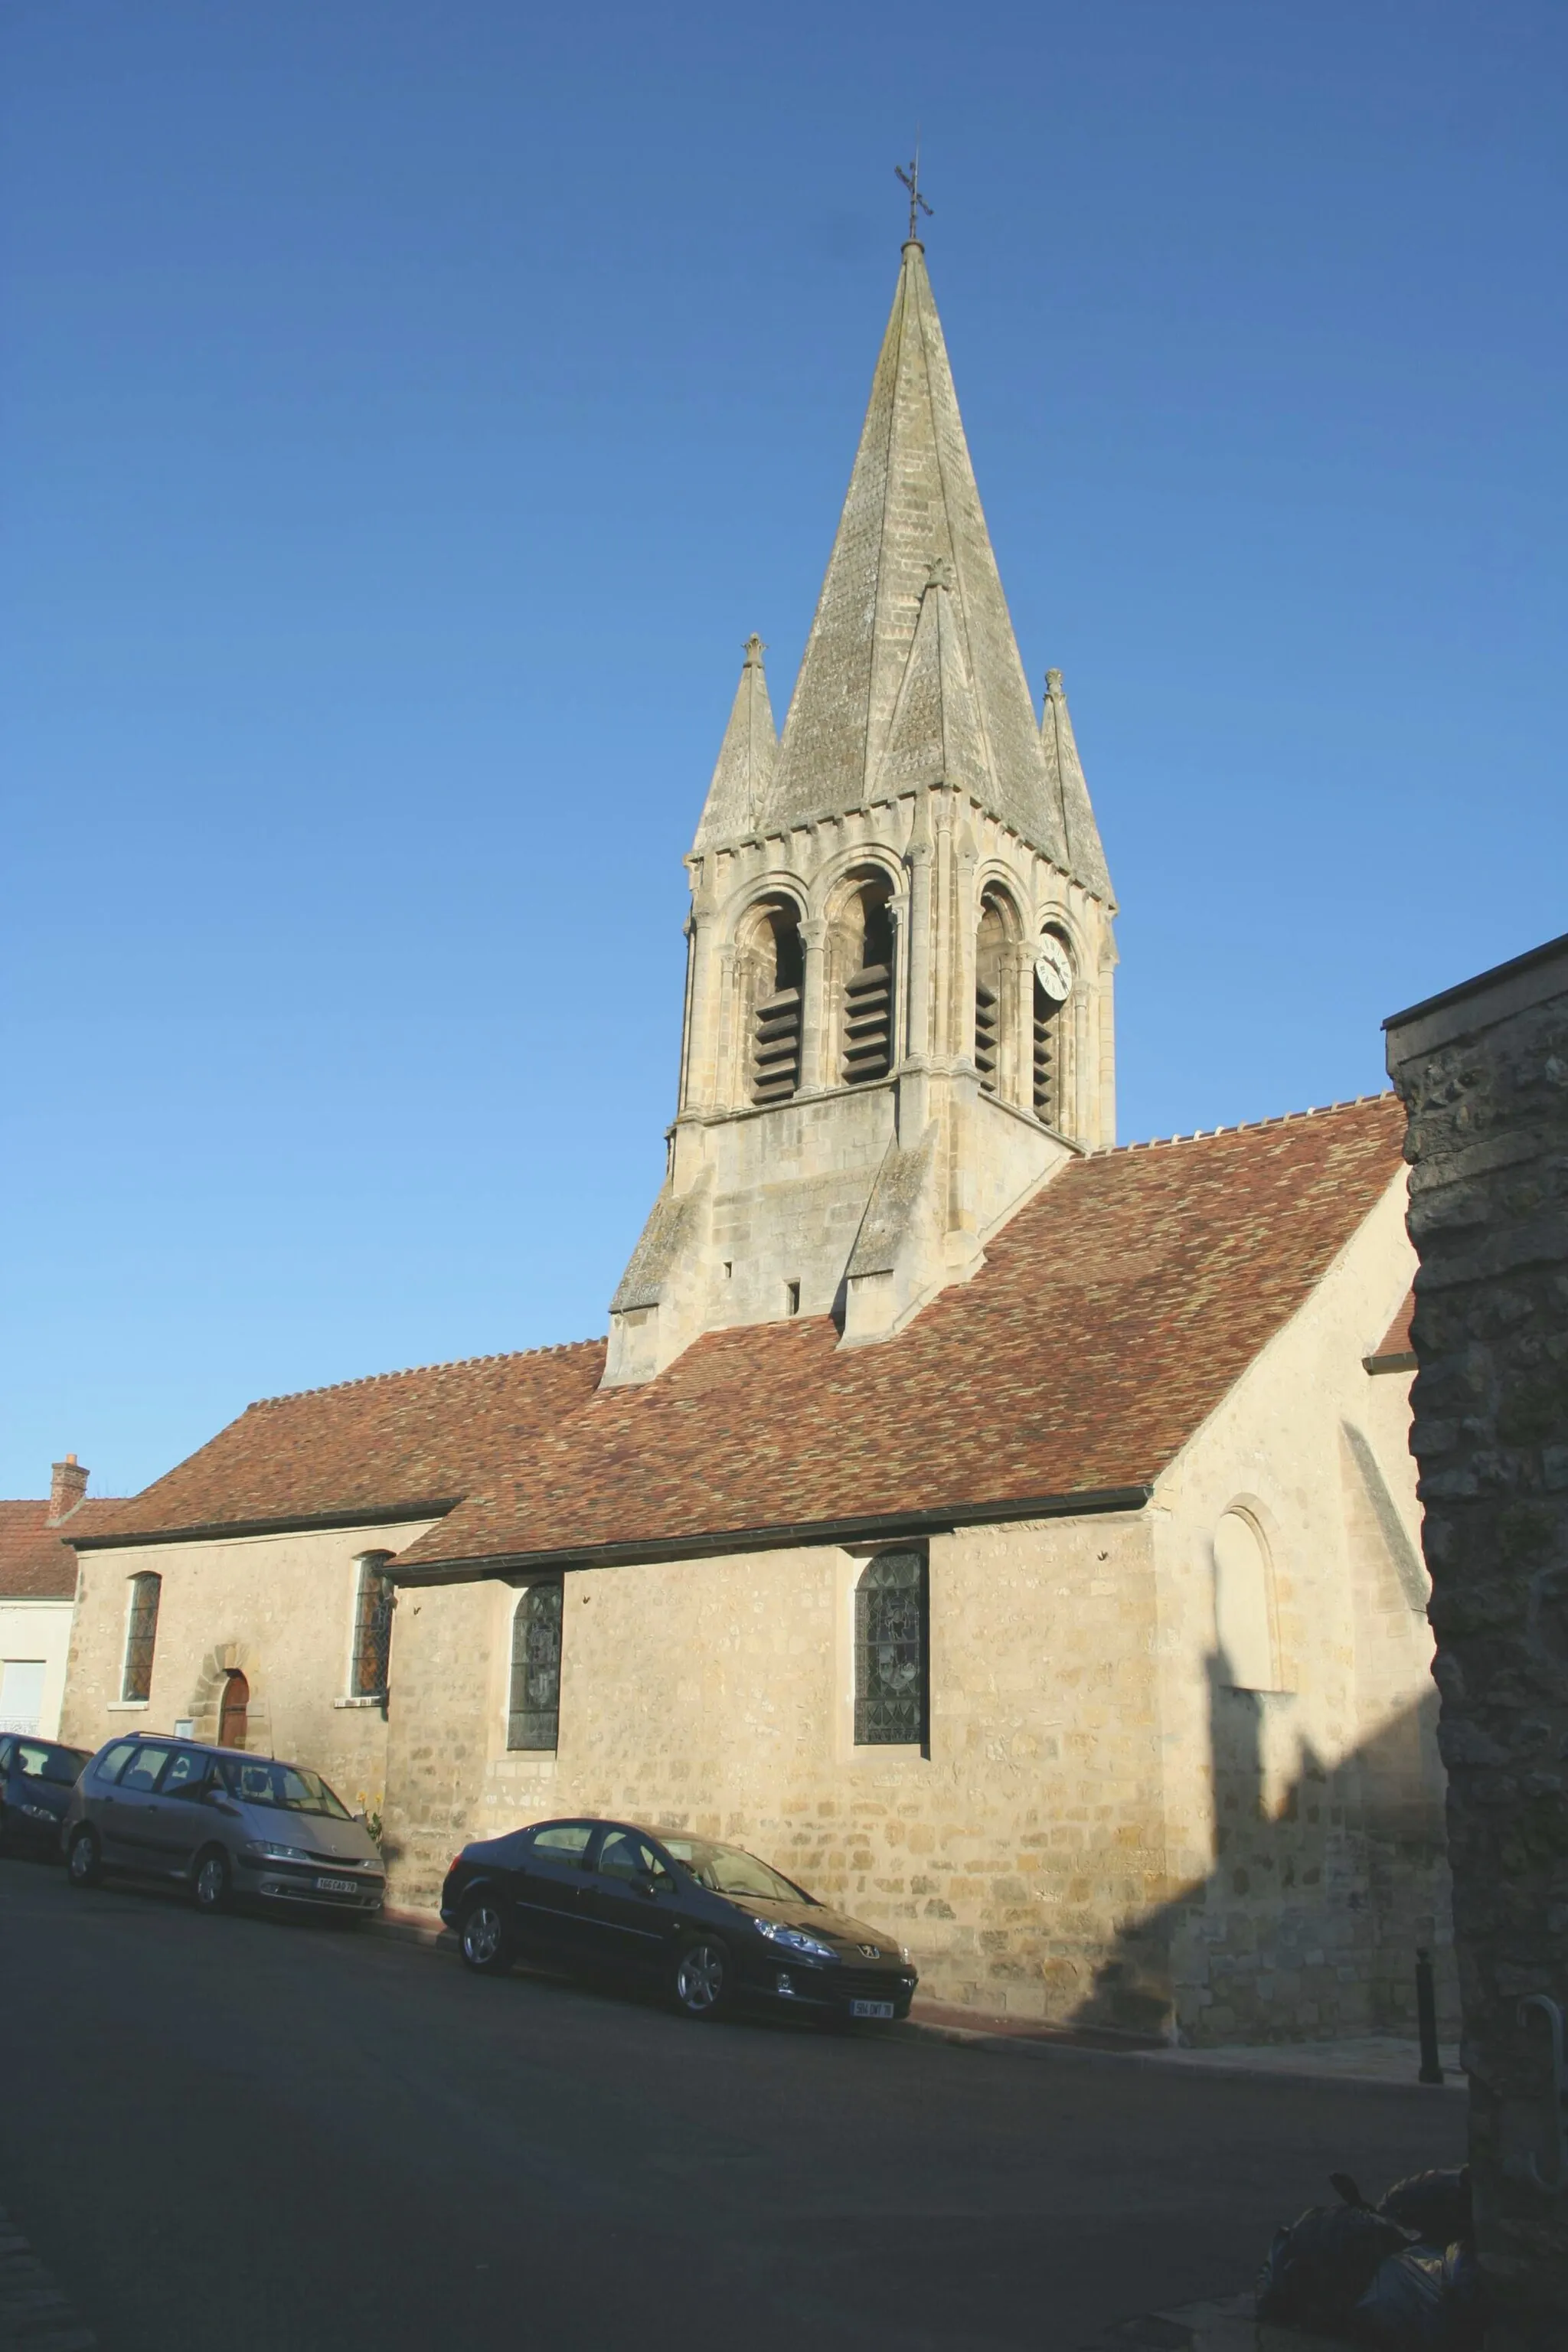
(372, 1628)
(140, 1635)
(891, 1652)
(534, 1714)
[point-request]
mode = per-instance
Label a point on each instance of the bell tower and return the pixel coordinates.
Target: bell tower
(898, 997)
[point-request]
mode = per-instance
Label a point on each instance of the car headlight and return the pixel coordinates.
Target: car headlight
(794, 1940)
(262, 1852)
(903, 1951)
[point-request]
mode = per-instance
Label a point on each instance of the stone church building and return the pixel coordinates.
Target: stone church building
(1008, 1533)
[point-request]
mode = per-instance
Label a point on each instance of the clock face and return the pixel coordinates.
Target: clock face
(1053, 971)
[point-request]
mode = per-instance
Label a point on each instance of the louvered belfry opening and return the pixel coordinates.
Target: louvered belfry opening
(1046, 1017)
(868, 985)
(1048, 1040)
(776, 971)
(991, 941)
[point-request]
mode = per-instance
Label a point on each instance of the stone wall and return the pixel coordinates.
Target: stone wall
(1484, 1075)
(718, 1694)
(1304, 1803)
(279, 1608)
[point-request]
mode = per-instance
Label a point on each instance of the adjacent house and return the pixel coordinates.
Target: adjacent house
(37, 1595)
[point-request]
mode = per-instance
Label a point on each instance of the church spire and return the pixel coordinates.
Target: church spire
(912, 500)
(1069, 795)
(745, 766)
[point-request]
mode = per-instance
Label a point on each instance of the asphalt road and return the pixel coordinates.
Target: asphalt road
(245, 2132)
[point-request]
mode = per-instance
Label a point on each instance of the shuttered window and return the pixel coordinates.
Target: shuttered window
(773, 959)
(1047, 1016)
(891, 1652)
(372, 1628)
(140, 1635)
(534, 1717)
(867, 1017)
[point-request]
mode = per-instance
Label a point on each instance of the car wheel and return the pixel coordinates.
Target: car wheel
(210, 1885)
(84, 1862)
(700, 1978)
(486, 1945)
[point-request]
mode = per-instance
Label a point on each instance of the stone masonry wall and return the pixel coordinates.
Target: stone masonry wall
(718, 1694)
(1484, 1075)
(1304, 1815)
(279, 1608)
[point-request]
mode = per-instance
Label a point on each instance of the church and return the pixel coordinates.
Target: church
(1009, 1533)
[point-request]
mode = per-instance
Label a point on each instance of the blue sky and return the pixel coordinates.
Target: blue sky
(406, 412)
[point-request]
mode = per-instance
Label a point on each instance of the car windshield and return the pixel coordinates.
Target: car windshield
(726, 1870)
(288, 1786)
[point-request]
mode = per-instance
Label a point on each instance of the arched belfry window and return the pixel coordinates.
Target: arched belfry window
(140, 1635)
(891, 1652)
(990, 967)
(534, 1711)
(772, 965)
(1052, 988)
(863, 953)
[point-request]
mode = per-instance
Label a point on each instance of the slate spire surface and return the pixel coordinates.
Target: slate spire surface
(744, 776)
(912, 505)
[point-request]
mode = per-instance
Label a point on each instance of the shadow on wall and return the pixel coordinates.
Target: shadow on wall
(1324, 1885)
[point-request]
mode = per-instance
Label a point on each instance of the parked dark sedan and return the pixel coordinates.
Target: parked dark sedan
(36, 1777)
(709, 1923)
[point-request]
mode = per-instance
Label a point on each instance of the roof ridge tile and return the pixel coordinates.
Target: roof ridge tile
(415, 1372)
(1241, 1126)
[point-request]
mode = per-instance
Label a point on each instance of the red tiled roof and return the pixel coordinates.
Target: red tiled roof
(35, 1561)
(1114, 1312)
(391, 1446)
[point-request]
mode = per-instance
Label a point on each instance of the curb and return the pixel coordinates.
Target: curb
(1172, 2064)
(426, 1934)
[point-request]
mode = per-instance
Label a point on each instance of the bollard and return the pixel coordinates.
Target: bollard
(1427, 2020)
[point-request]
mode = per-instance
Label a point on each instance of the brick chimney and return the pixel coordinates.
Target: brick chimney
(67, 1484)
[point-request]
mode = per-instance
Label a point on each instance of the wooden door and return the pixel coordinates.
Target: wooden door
(236, 1705)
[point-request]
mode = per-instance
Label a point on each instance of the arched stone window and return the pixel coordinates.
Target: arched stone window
(1244, 1604)
(771, 972)
(533, 1714)
(373, 1601)
(891, 1652)
(863, 959)
(140, 1635)
(1052, 994)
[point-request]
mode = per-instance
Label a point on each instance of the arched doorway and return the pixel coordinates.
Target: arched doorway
(231, 1722)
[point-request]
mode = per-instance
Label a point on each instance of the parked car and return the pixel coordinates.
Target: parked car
(709, 1923)
(36, 1777)
(223, 1823)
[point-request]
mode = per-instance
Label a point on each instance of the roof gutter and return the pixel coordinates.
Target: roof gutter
(797, 1534)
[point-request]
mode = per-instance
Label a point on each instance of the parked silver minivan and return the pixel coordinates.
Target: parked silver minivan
(221, 1822)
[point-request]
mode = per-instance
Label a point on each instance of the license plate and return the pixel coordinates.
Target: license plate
(870, 2009)
(336, 1886)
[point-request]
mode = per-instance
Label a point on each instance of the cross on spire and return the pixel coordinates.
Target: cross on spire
(918, 204)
